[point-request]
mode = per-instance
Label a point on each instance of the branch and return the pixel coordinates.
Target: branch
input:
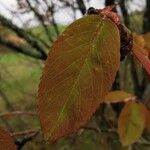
(91, 128)
(30, 135)
(81, 6)
(22, 50)
(41, 20)
(51, 10)
(125, 13)
(16, 113)
(146, 22)
(21, 33)
(25, 133)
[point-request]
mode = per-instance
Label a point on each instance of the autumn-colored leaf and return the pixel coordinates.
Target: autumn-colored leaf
(6, 141)
(139, 44)
(147, 116)
(79, 71)
(118, 96)
(143, 59)
(131, 123)
(139, 40)
(140, 53)
(146, 37)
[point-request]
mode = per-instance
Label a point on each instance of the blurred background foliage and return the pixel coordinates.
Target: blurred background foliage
(23, 50)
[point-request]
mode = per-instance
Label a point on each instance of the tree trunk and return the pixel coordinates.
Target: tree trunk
(124, 13)
(146, 23)
(81, 6)
(109, 2)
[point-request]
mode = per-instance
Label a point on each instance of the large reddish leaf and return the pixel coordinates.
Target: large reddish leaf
(6, 142)
(131, 123)
(118, 96)
(79, 71)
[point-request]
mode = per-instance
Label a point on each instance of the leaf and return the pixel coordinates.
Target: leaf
(79, 71)
(140, 53)
(131, 123)
(146, 37)
(147, 116)
(6, 141)
(143, 59)
(139, 44)
(139, 40)
(118, 96)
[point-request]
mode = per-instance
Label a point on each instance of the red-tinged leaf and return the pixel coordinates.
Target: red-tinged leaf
(131, 123)
(143, 59)
(6, 141)
(118, 96)
(80, 69)
(147, 116)
(140, 53)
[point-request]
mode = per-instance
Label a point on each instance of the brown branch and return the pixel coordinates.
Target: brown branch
(20, 49)
(28, 137)
(17, 113)
(25, 133)
(91, 128)
(21, 33)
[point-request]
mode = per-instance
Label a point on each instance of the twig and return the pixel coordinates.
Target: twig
(90, 128)
(26, 132)
(21, 142)
(16, 113)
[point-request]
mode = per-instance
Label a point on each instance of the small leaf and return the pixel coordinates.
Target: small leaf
(147, 40)
(79, 72)
(118, 96)
(6, 141)
(140, 53)
(139, 40)
(131, 123)
(139, 44)
(143, 59)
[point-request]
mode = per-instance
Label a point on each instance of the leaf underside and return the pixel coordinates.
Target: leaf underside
(79, 72)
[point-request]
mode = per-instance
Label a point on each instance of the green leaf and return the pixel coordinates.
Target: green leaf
(131, 123)
(79, 71)
(6, 141)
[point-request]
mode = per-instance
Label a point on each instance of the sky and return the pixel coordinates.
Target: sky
(63, 16)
